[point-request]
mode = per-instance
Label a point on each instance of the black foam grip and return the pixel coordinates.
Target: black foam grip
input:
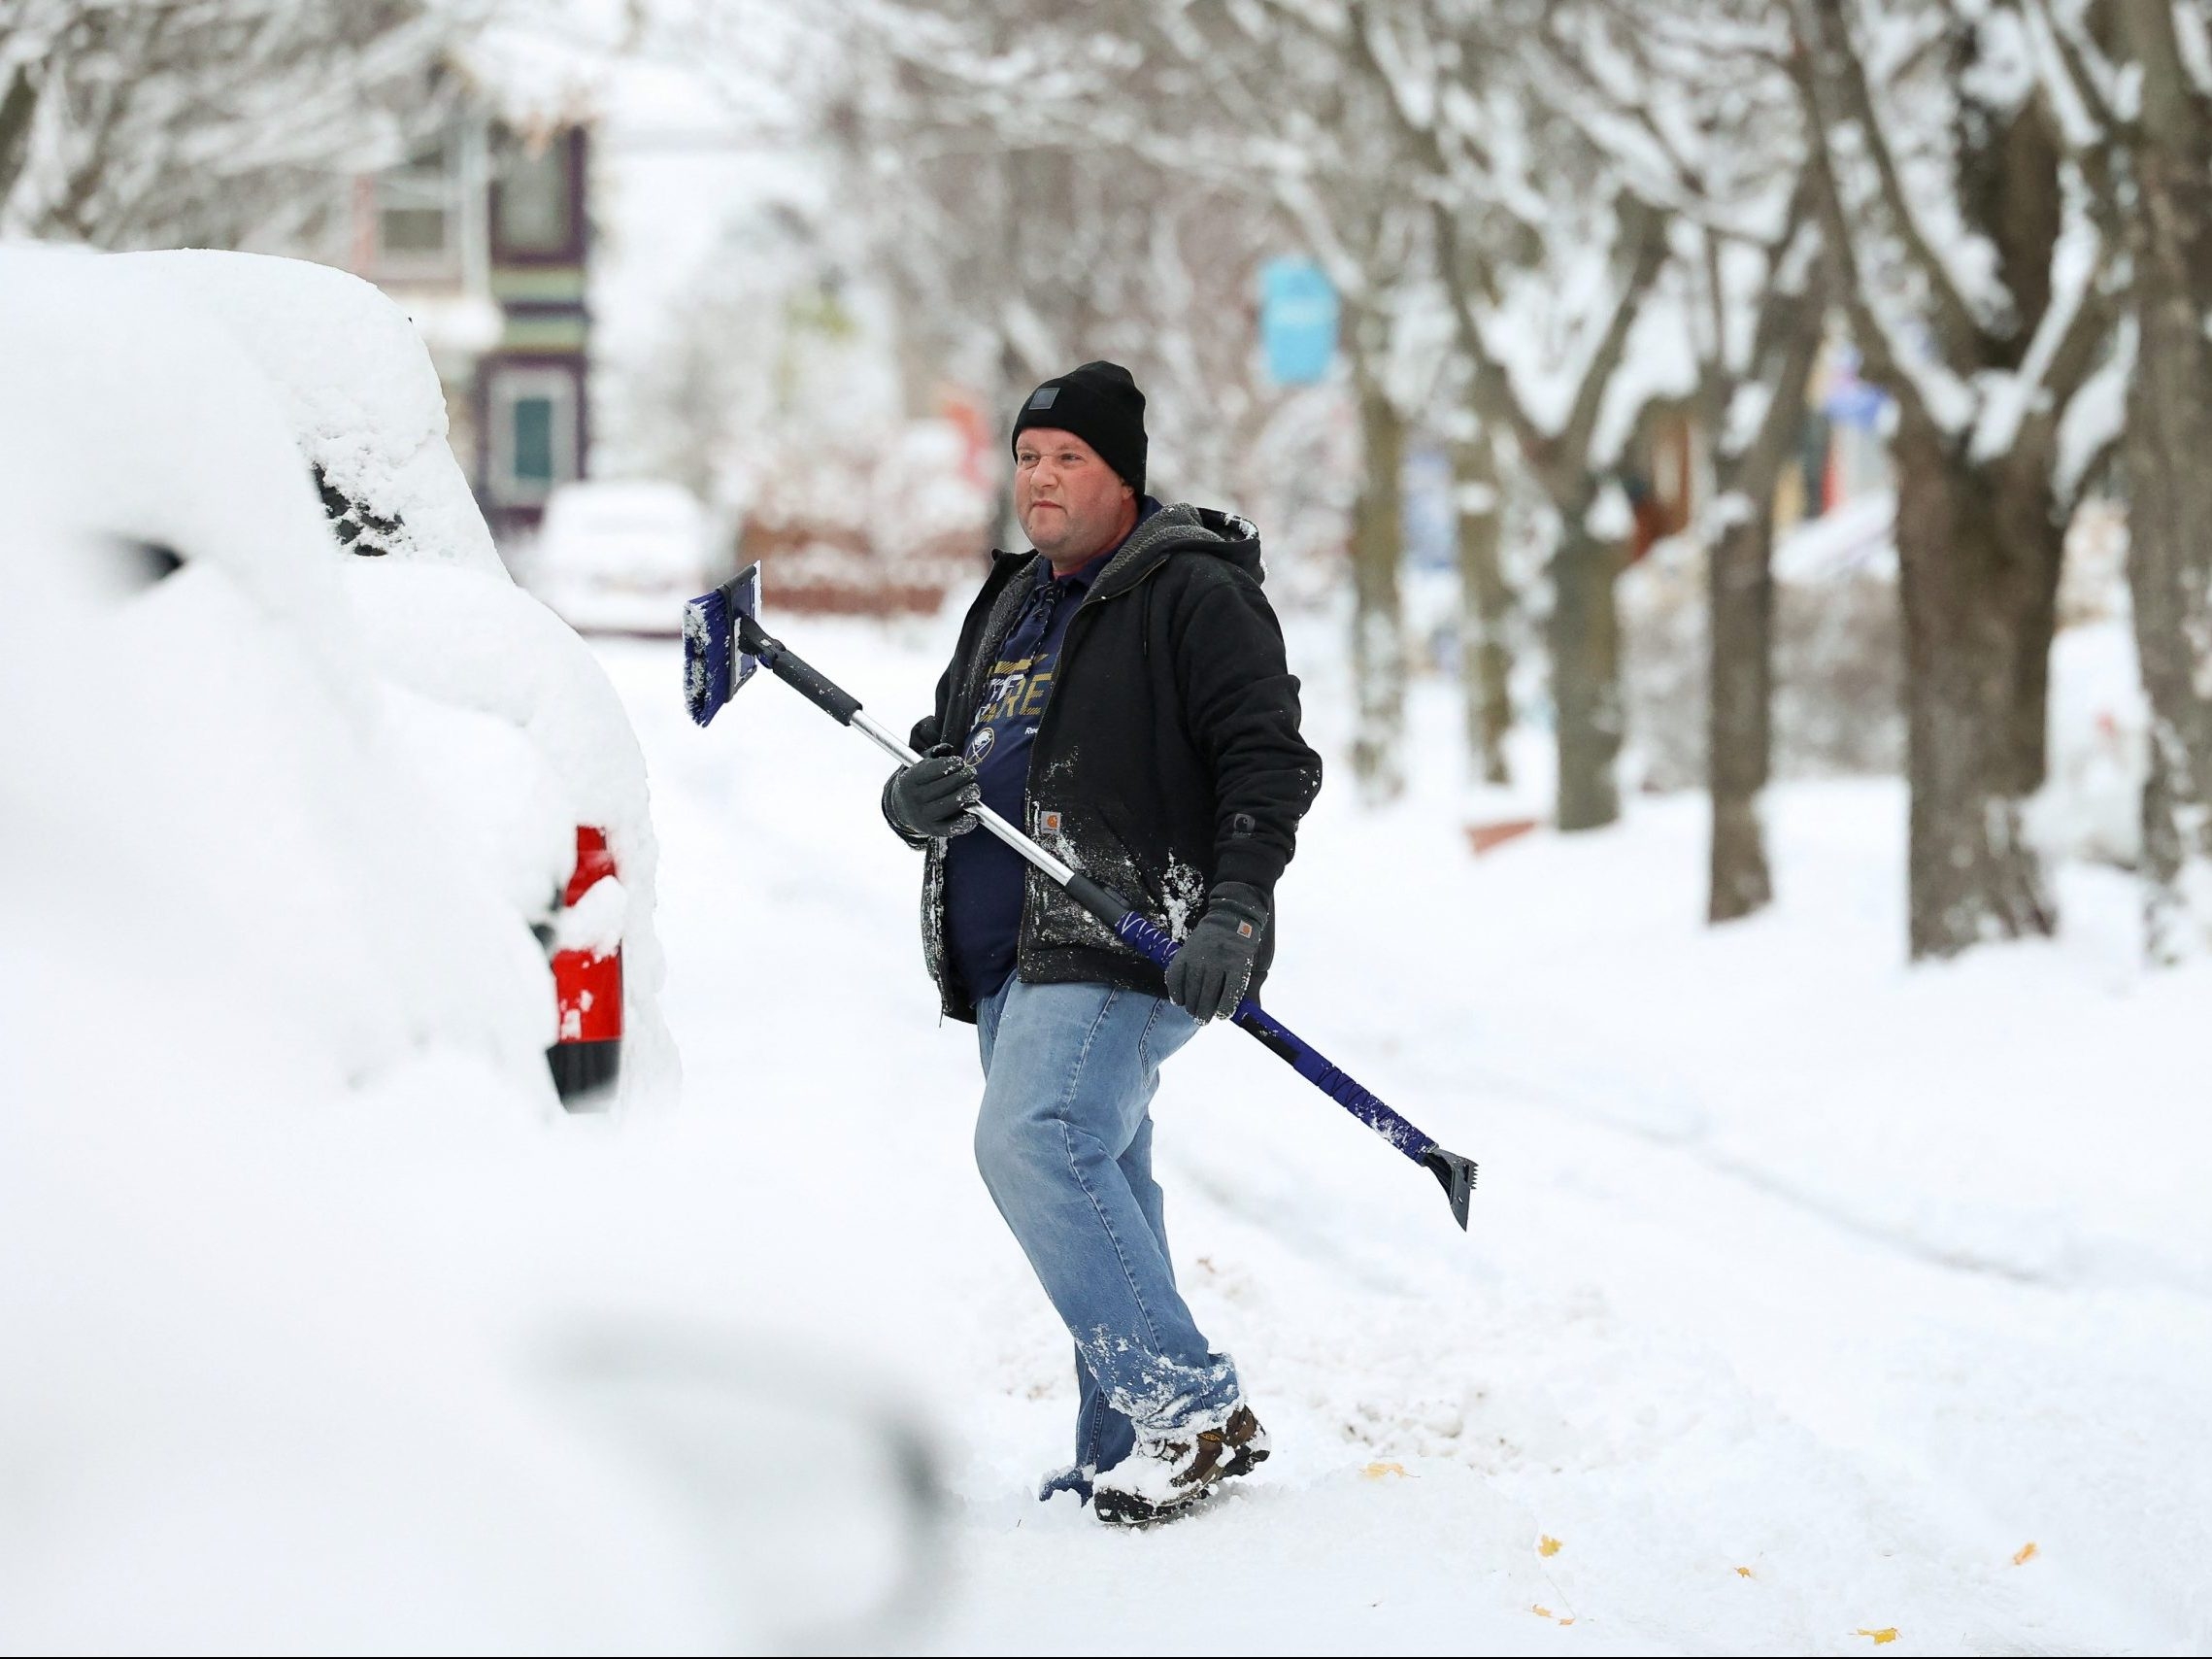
(825, 694)
(1102, 902)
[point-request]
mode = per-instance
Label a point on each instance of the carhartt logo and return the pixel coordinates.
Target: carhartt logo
(1041, 397)
(1245, 929)
(1048, 823)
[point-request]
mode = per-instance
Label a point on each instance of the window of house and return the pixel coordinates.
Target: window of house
(534, 198)
(533, 417)
(418, 209)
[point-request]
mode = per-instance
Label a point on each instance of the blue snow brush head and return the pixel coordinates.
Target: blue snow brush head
(714, 666)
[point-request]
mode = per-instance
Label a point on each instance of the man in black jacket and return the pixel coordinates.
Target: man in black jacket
(1120, 693)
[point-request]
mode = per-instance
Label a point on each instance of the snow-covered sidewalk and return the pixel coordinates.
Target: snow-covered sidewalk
(1806, 1293)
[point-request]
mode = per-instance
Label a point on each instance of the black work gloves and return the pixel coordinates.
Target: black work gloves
(1209, 975)
(931, 798)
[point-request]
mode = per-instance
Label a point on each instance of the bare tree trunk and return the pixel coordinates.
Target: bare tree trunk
(1377, 624)
(1740, 578)
(2168, 445)
(1740, 694)
(1979, 549)
(1584, 632)
(1486, 658)
(16, 108)
(1005, 527)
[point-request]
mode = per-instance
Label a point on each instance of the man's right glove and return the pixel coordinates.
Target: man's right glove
(1208, 976)
(929, 799)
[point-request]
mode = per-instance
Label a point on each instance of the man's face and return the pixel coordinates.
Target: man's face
(1072, 505)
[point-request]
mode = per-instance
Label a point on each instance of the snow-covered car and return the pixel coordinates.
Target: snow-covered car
(497, 703)
(247, 787)
(313, 1340)
(620, 555)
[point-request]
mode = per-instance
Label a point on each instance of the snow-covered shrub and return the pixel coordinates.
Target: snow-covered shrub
(1838, 676)
(880, 525)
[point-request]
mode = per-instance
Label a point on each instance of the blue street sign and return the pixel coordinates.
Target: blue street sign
(1297, 320)
(1850, 401)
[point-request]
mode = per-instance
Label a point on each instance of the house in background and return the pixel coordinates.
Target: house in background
(483, 237)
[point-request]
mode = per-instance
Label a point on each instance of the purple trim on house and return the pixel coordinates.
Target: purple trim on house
(546, 308)
(576, 142)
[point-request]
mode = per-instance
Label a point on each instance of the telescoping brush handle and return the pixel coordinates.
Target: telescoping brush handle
(1139, 931)
(842, 707)
(1454, 1173)
(817, 688)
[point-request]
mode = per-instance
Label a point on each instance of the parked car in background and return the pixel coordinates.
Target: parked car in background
(621, 557)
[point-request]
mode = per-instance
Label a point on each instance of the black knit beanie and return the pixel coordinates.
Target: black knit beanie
(1100, 404)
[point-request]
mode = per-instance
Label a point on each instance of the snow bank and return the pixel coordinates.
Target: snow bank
(1788, 1257)
(1856, 539)
(2092, 802)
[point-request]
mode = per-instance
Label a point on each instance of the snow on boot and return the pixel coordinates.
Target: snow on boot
(1168, 1472)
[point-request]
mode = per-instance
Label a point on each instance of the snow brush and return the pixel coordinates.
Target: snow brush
(724, 643)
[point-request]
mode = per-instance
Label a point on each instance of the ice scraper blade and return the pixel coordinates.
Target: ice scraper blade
(716, 662)
(1457, 1176)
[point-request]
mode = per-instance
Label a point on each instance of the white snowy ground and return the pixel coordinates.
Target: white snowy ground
(1804, 1292)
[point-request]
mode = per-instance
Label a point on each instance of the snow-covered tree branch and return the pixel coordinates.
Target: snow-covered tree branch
(230, 123)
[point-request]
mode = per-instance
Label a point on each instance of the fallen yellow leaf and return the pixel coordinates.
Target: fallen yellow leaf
(2027, 1554)
(1743, 1573)
(1888, 1633)
(1547, 1546)
(1376, 1471)
(1563, 1623)
(1541, 1612)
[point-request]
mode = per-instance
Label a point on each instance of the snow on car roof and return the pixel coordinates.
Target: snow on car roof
(125, 413)
(365, 404)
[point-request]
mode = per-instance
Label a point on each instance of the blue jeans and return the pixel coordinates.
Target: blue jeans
(1065, 1143)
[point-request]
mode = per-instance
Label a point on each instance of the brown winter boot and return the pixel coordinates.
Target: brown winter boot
(1170, 1473)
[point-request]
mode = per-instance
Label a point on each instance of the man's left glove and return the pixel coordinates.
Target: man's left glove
(1209, 975)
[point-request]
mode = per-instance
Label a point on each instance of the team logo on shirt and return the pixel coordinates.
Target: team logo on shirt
(1016, 690)
(980, 744)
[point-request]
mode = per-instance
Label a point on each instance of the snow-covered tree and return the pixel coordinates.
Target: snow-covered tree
(2135, 77)
(1487, 606)
(1019, 236)
(1548, 253)
(1979, 285)
(226, 122)
(1053, 183)
(1686, 96)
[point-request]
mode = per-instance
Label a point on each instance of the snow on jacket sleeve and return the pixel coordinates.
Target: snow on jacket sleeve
(1241, 704)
